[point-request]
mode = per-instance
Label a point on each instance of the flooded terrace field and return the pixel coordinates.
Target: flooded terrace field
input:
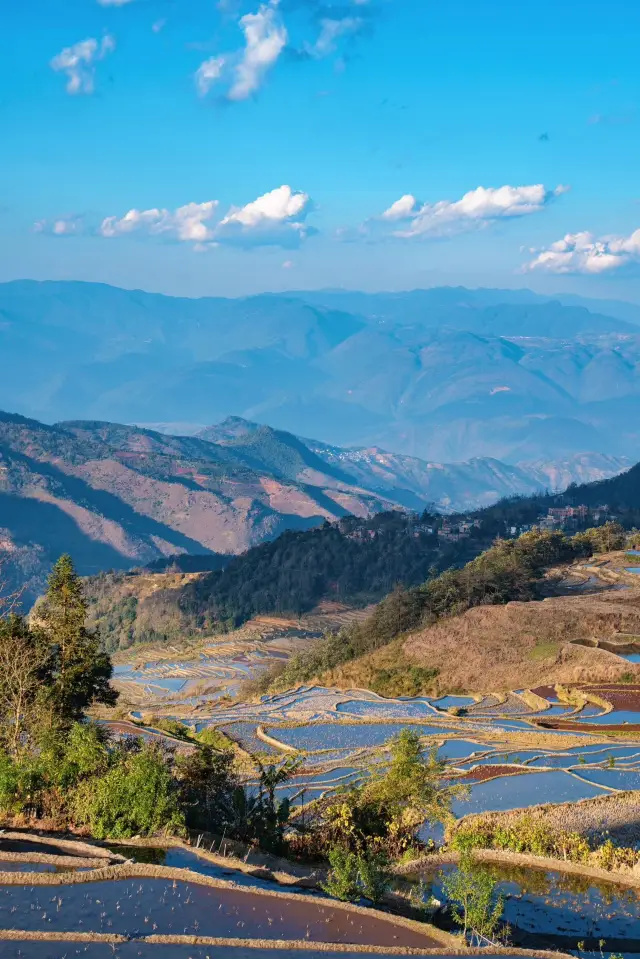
(149, 905)
(552, 910)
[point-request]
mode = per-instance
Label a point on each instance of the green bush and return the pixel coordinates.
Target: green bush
(476, 907)
(342, 880)
(354, 875)
(137, 796)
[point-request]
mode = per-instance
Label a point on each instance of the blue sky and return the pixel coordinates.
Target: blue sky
(308, 143)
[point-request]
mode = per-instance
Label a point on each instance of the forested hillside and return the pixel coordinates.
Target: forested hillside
(510, 571)
(356, 561)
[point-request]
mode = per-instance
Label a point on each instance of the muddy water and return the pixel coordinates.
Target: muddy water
(142, 950)
(143, 907)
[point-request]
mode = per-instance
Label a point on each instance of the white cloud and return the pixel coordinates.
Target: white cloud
(113, 3)
(208, 73)
(585, 253)
(77, 62)
(406, 206)
(265, 39)
(275, 219)
(187, 223)
(330, 32)
(287, 265)
(474, 210)
(69, 225)
(278, 205)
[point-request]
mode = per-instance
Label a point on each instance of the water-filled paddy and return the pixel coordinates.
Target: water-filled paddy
(616, 718)
(406, 710)
(145, 906)
(451, 702)
(11, 866)
(343, 735)
(245, 735)
(460, 749)
(615, 778)
(556, 710)
(522, 791)
(547, 909)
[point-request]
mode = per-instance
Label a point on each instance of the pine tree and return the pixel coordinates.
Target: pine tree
(82, 672)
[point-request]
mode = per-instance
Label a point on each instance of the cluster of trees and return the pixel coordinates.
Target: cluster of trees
(510, 570)
(355, 561)
(51, 666)
(57, 765)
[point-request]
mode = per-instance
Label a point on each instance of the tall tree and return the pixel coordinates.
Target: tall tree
(81, 671)
(25, 671)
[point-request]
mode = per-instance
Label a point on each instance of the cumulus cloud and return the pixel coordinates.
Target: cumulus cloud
(474, 210)
(265, 39)
(585, 253)
(71, 224)
(208, 73)
(187, 223)
(77, 62)
(275, 219)
(404, 208)
(330, 31)
(244, 70)
(278, 205)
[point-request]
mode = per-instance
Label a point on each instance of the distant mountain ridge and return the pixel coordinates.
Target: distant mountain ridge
(409, 480)
(443, 375)
(118, 496)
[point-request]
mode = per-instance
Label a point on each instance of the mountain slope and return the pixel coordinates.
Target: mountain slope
(443, 374)
(117, 496)
(357, 561)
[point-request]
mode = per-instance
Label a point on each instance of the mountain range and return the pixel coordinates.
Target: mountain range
(118, 496)
(446, 374)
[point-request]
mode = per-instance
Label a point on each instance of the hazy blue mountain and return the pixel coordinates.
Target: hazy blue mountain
(442, 375)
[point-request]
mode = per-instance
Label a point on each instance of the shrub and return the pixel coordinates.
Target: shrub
(471, 891)
(354, 875)
(342, 880)
(374, 876)
(137, 796)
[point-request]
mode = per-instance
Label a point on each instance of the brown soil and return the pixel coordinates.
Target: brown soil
(482, 773)
(620, 697)
(545, 692)
(603, 730)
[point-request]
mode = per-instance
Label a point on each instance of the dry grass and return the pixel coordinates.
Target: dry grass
(524, 644)
(614, 816)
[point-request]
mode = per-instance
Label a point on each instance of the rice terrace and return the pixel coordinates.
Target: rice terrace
(232, 791)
